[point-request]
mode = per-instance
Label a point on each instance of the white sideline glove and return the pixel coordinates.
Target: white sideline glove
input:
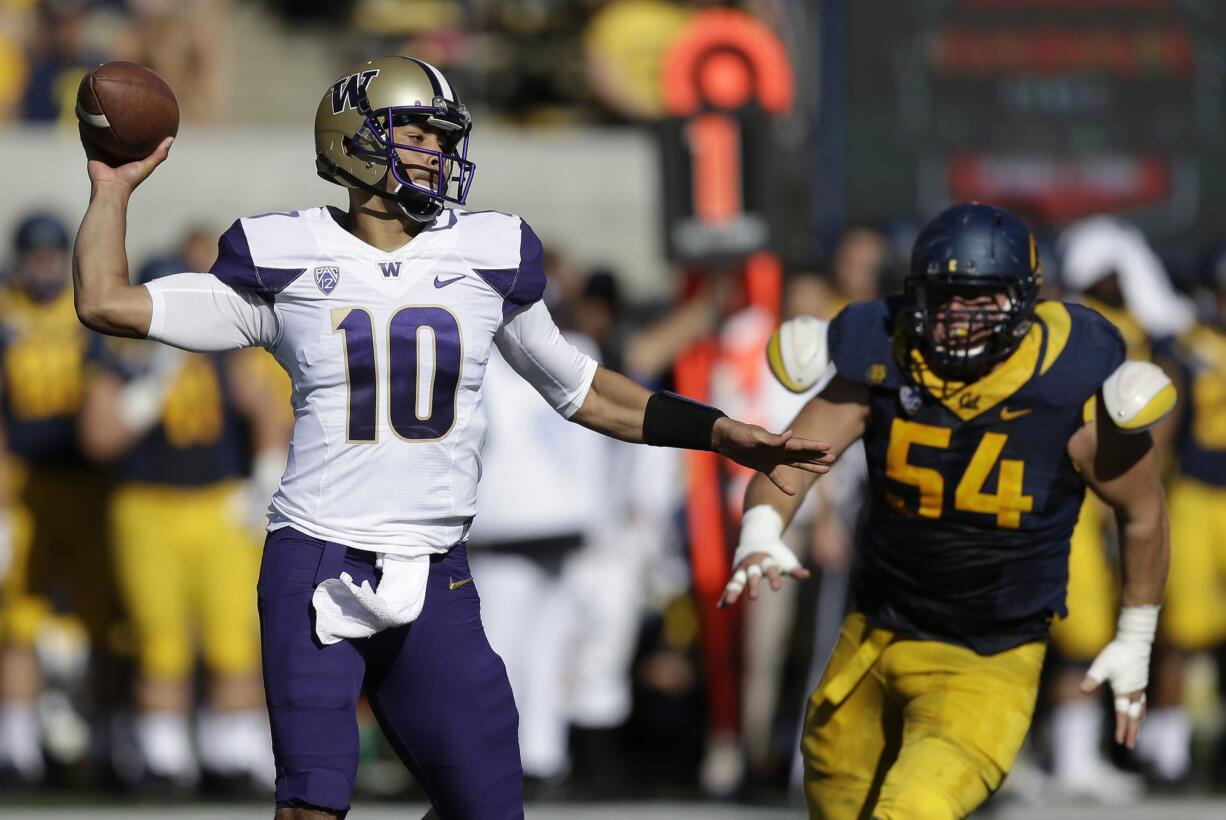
(266, 471)
(140, 400)
(761, 535)
(1124, 665)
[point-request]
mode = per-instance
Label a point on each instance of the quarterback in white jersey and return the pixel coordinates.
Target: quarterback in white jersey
(385, 316)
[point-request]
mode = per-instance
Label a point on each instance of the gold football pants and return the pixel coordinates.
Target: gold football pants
(1194, 605)
(1093, 591)
(187, 571)
(914, 729)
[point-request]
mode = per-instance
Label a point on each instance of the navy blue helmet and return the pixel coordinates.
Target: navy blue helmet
(41, 230)
(972, 288)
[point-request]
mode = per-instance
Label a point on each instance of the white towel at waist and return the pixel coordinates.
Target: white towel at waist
(345, 610)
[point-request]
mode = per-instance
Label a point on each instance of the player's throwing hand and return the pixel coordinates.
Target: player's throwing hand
(128, 175)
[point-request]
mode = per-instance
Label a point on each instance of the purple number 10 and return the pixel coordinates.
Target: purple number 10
(424, 357)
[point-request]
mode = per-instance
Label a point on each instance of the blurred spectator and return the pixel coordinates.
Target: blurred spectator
(624, 47)
(59, 52)
(859, 267)
(58, 602)
(188, 43)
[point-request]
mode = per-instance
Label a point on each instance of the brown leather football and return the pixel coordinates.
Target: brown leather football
(126, 110)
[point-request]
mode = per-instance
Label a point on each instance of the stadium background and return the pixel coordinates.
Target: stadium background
(1060, 109)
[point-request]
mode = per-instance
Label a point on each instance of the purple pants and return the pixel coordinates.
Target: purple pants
(438, 690)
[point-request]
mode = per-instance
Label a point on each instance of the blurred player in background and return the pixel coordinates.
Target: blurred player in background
(58, 596)
(385, 316)
(1108, 266)
(1194, 614)
(179, 430)
(542, 500)
(969, 398)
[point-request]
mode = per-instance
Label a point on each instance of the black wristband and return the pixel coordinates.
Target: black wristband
(675, 421)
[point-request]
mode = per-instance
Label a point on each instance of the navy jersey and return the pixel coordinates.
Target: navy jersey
(43, 349)
(974, 496)
(200, 438)
(1200, 442)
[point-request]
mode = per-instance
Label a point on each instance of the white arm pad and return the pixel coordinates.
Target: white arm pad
(1138, 395)
(797, 352)
(535, 348)
(197, 311)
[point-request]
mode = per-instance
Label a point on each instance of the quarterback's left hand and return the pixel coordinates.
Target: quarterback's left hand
(751, 446)
(1124, 664)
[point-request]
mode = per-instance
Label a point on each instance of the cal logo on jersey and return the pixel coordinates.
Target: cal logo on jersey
(327, 278)
(349, 92)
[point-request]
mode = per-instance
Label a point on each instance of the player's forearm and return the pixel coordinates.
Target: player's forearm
(615, 406)
(761, 491)
(1144, 550)
(105, 300)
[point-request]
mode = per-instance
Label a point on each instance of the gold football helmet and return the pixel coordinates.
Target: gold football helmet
(354, 144)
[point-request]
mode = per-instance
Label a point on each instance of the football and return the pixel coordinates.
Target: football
(126, 110)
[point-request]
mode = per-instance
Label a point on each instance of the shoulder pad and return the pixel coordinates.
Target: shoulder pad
(1138, 395)
(797, 352)
(237, 267)
(1081, 350)
(504, 251)
(860, 343)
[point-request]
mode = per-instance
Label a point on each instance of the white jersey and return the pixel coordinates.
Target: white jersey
(387, 351)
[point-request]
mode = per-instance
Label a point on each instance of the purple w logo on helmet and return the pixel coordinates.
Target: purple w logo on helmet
(349, 91)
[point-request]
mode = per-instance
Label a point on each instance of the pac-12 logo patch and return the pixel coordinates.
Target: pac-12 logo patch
(910, 399)
(326, 278)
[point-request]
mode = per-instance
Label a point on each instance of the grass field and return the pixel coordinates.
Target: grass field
(1170, 809)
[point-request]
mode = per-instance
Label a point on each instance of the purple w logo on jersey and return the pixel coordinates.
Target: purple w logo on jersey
(390, 270)
(326, 278)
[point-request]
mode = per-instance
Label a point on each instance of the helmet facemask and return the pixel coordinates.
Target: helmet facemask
(963, 342)
(451, 170)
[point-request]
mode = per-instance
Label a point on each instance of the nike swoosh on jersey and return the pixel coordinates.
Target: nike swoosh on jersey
(442, 283)
(1008, 415)
(457, 584)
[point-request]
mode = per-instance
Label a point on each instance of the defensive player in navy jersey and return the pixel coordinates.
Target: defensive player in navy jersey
(385, 316)
(968, 393)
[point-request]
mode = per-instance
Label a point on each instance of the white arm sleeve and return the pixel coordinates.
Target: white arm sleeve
(532, 344)
(197, 311)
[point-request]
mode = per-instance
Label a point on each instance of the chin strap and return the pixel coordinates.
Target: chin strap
(431, 207)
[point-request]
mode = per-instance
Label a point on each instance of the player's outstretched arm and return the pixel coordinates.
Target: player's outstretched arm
(619, 407)
(105, 300)
(1122, 468)
(841, 413)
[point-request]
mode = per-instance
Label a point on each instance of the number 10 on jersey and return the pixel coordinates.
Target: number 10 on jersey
(422, 354)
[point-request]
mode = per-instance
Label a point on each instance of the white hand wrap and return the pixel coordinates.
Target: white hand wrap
(761, 531)
(1124, 663)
